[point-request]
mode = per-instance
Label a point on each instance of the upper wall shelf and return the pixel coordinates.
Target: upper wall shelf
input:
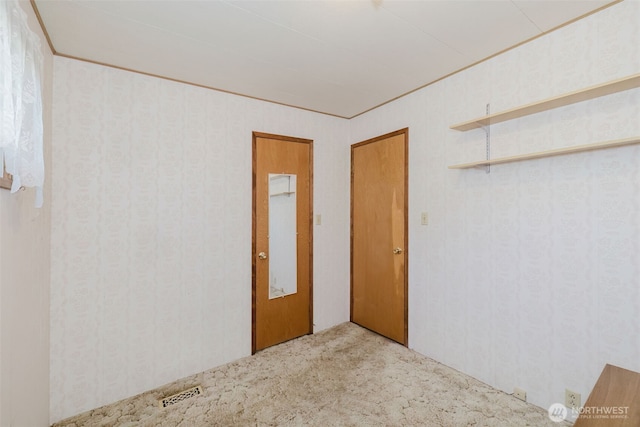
(603, 89)
(549, 153)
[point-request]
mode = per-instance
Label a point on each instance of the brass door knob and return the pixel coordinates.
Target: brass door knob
(397, 251)
(262, 255)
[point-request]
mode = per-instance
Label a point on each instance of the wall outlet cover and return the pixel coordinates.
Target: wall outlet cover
(572, 399)
(519, 393)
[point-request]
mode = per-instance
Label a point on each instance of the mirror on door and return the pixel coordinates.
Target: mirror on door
(283, 261)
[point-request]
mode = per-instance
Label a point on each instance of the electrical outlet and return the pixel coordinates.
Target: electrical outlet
(519, 393)
(572, 399)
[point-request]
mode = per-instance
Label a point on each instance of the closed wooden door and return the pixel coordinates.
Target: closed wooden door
(379, 298)
(282, 306)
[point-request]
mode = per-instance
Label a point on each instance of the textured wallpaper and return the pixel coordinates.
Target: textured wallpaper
(151, 235)
(24, 283)
(528, 276)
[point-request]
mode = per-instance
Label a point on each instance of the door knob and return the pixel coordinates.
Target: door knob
(262, 255)
(397, 251)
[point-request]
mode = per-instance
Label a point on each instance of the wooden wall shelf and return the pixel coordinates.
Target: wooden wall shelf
(5, 179)
(549, 153)
(591, 92)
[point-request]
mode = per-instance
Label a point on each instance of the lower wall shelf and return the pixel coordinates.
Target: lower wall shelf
(550, 153)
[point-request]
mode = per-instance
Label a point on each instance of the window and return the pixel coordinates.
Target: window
(21, 133)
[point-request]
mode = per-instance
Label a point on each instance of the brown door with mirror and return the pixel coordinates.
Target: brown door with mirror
(379, 299)
(282, 306)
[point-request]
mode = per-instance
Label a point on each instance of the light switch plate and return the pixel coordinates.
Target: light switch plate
(424, 219)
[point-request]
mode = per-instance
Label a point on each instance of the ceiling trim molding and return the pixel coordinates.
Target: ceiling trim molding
(544, 33)
(56, 53)
(131, 70)
(44, 29)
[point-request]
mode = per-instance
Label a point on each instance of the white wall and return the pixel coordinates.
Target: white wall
(151, 237)
(24, 286)
(528, 276)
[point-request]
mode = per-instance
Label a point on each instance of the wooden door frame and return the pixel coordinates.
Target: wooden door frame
(404, 132)
(255, 136)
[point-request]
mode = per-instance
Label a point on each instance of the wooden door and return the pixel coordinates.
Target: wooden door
(277, 317)
(379, 298)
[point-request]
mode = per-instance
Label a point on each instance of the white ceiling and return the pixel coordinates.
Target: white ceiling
(335, 57)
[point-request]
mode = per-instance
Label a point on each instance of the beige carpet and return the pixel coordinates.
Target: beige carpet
(344, 376)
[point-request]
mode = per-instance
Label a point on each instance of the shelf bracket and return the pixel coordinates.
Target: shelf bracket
(487, 131)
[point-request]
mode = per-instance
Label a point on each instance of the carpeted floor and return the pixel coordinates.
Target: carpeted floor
(344, 376)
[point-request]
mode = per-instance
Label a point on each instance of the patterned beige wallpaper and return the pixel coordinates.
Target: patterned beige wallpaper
(24, 283)
(151, 236)
(528, 276)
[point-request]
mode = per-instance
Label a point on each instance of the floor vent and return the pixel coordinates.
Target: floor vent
(179, 397)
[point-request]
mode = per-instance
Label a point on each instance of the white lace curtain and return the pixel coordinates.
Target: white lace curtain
(21, 133)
